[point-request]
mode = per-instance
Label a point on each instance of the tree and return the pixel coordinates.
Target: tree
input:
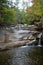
(7, 13)
(35, 12)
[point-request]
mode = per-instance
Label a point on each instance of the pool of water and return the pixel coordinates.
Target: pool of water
(25, 55)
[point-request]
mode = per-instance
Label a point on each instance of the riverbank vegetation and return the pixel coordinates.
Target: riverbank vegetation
(10, 14)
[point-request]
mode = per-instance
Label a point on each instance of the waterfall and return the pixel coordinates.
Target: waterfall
(39, 37)
(19, 27)
(39, 43)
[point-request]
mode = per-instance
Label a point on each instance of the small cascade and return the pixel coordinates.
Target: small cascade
(39, 41)
(19, 27)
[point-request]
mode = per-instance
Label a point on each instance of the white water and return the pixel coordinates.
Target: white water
(39, 43)
(23, 31)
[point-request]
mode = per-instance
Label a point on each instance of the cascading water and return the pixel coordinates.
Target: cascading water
(19, 27)
(39, 43)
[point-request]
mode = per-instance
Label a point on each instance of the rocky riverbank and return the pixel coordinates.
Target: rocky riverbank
(19, 37)
(26, 40)
(17, 44)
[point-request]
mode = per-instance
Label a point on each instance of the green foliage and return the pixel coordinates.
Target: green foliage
(10, 14)
(22, 13)
(35, 13)
(7, 14)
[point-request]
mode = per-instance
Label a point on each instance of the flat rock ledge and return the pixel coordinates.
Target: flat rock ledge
(8, 46)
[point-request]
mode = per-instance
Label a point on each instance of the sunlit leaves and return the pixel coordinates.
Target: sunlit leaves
(35, 12)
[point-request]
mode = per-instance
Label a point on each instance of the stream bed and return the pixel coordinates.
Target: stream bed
(24, 55)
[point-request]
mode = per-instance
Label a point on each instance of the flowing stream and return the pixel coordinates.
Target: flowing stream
(25, 55)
